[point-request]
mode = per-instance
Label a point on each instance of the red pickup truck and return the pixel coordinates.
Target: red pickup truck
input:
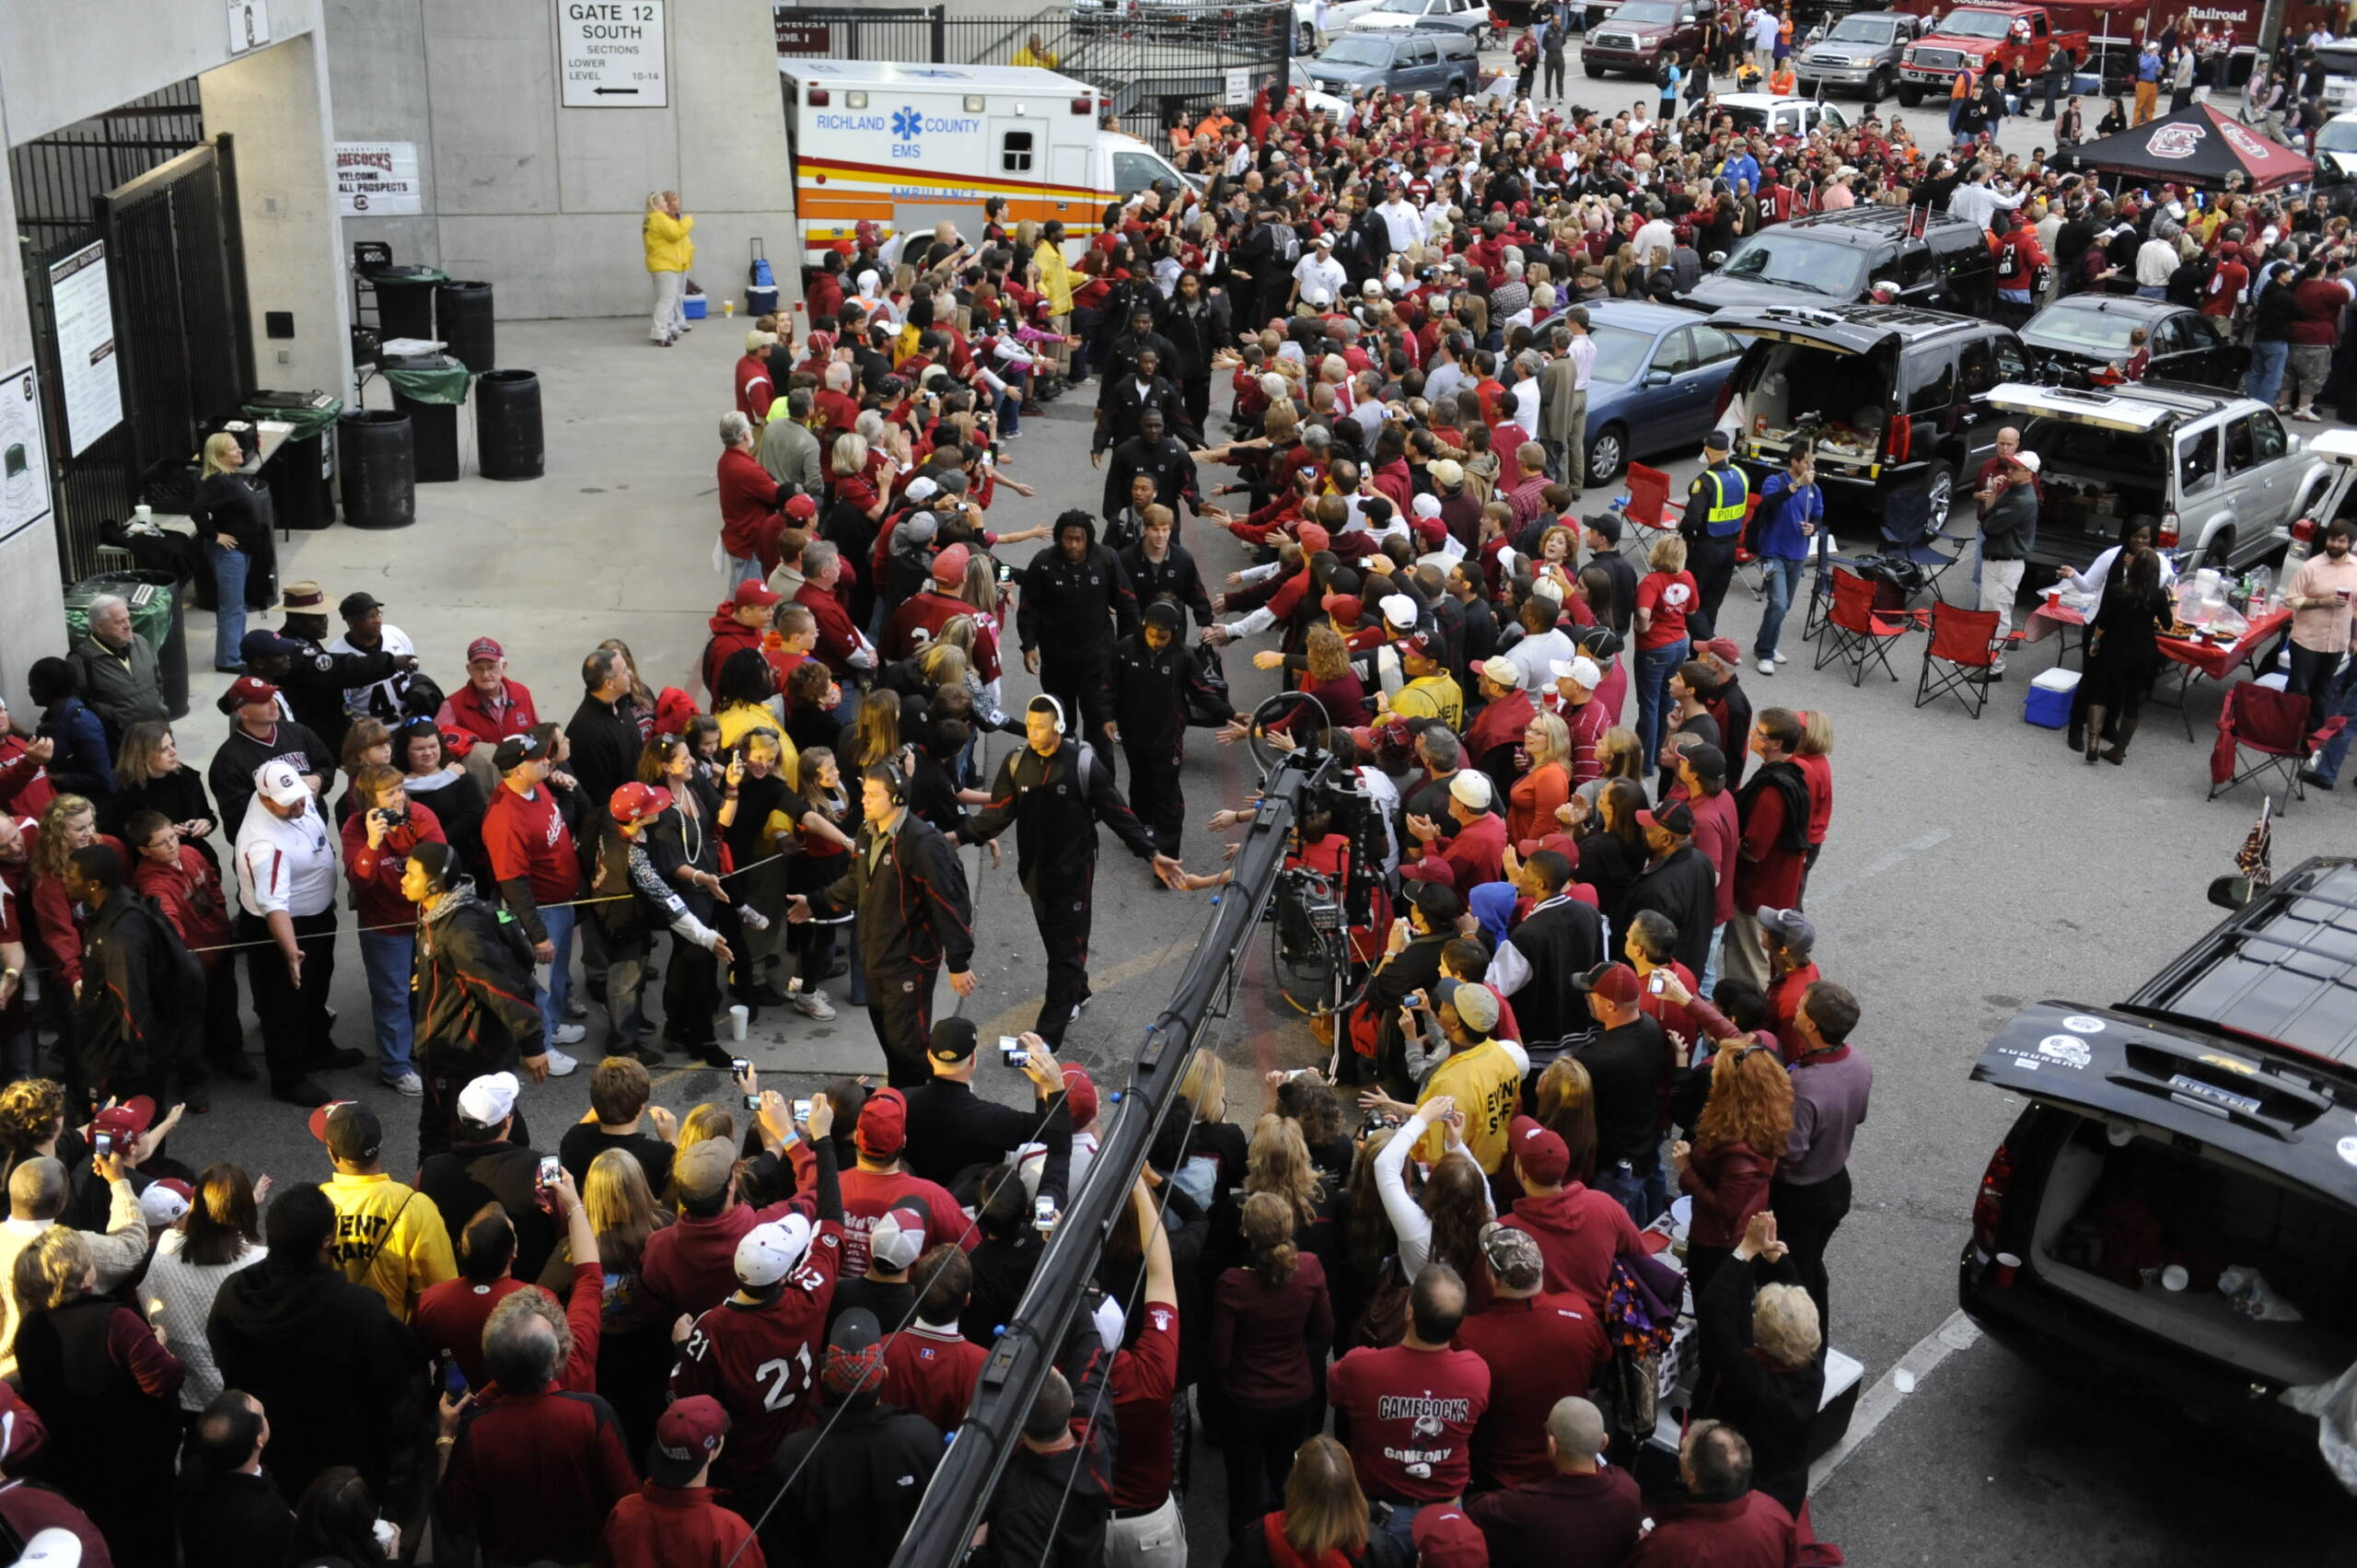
(2016, 40)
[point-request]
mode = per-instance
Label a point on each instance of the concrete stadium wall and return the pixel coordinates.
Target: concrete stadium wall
(544, 201)
(62, 63)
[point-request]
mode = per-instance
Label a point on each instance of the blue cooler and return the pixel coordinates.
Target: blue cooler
(761, 301)
(2049, 702)
(693, 307)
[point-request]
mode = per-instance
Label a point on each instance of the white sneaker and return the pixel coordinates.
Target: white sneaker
(1782, 656)
(560, 1064)
(813, 1004)
(571, 1034)
(1768, 666)
(409, 1083)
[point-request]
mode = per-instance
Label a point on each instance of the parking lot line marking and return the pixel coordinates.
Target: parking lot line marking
(1959, 1332)
(1890, 860)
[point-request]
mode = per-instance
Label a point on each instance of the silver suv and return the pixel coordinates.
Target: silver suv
(2219, 471)
(1861, 51)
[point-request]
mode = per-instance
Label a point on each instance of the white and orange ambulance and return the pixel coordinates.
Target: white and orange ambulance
(905, 146)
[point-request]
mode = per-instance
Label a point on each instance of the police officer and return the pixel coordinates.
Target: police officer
(914, 915)
(1075, 601)
(1157, 680)
(1056, 792)
(1712, 522)
(314, 680)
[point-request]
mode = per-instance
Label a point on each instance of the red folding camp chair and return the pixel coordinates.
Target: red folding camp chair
(1966, 642)
(1651, 514)
(2273, 727)
(1855, 631)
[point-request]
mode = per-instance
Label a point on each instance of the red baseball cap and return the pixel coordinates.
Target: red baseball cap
(949, 566)
(1446, 1539)
(135, 1115)
(250, 688)
(1542, 1153)
(803, 507)
(1348, 609)
(883, 1124)
(1080, 1095)
(637, 802)
(754, 592)
(686, 1435)
(1617, 983)
(483, 648)
(1314, 537)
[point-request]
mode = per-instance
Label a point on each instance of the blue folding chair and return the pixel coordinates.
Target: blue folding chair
(1907, 532)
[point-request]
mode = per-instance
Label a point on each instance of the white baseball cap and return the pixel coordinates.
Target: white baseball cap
(2030, 460)
(1503, 671)
(1428, 505)
(1471, 788)
(898, 1240)
(277, 782)
(922, 489)
(489, 1099)
(1398, 611)
(1581, 671)
(770, 1252)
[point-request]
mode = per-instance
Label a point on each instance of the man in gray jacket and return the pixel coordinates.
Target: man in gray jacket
(788, 451)
(119, 675)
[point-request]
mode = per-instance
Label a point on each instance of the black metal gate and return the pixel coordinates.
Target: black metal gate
(142, 180)
(1160, 62)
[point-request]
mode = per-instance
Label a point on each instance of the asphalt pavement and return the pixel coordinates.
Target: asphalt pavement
(1972, 864)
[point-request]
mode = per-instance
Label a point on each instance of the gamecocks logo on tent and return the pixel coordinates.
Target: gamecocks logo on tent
(2175, 141)
(2243, 142)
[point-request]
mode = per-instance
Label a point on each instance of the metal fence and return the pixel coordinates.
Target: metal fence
(143, 179)
(1160, 62)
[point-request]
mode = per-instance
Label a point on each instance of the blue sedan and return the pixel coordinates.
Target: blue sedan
(1659, 370)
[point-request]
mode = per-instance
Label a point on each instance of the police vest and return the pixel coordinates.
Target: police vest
(1730, 490)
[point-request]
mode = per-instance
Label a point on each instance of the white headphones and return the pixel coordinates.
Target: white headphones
(1053, 704)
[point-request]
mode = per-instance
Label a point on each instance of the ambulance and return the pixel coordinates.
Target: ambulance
(905, 146)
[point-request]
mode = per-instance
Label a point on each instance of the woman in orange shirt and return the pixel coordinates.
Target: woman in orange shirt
(1531, 803)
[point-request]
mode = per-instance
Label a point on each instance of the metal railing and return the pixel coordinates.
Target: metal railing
(959, 1493)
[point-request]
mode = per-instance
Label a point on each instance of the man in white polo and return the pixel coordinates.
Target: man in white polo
(286, 879)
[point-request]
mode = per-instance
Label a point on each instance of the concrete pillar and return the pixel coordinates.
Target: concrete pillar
(274, 104)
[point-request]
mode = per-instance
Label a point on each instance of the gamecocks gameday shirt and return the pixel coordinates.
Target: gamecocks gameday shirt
(1412, 1414)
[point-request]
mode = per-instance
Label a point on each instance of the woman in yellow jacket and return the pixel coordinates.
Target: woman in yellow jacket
(1055, 282)
(670, 253)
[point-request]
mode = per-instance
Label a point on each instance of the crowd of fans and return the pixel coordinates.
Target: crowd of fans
(1591, 987)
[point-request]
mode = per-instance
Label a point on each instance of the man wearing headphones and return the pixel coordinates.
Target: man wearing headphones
(1056, 792)
(914, 915)
(1075, 601)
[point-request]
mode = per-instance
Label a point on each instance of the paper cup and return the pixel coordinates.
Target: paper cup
(2008, 1267)
(2174, 1277)
(738, 1017)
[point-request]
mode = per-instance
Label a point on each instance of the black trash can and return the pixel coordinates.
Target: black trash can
(301, 473)
(429, 389)
(405, 301)
(375, 451)
(508, 443)
(464, 311)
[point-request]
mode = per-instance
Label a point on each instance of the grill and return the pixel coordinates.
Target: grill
(1615, 41)
(1936, 60)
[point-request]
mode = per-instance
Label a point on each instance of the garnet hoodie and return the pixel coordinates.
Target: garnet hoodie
(1579, 1232)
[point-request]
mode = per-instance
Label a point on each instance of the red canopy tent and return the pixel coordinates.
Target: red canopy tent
(2197, 146)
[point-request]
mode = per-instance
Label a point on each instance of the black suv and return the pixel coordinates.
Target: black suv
(1834, 257)
(2176, 1213)
(1887, 396)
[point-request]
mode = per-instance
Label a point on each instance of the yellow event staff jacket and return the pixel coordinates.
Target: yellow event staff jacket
(388, 1237)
